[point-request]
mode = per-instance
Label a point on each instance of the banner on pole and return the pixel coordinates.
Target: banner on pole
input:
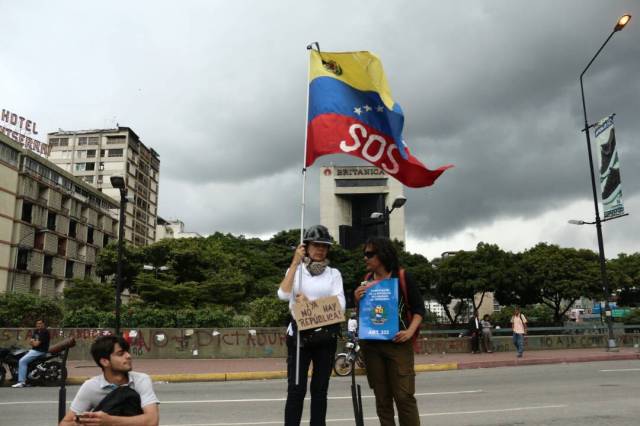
(378, 311)
(610, 183)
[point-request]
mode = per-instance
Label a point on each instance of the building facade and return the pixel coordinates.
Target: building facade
(52, 224)
(348, 197)
(173, 229)
(96, 155)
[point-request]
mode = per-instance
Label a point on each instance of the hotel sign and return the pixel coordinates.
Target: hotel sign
(23, 131)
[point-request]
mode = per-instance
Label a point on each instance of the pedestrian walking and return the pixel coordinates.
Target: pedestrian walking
(519, 326)
(390, 364)
(309, 278)
(486, 333)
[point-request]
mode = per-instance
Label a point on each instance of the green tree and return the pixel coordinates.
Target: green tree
(83, 293)
(268, 312)
(623, 273)
(107, 263)
(560, 276)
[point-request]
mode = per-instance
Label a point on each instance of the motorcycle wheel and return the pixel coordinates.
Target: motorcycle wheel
(342, 365)
(53, 373)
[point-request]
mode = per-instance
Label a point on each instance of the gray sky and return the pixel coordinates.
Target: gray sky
(218, 89)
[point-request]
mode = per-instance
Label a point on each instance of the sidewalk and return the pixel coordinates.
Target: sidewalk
(199, 370)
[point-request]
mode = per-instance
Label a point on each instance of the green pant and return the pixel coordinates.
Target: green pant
(391, 375)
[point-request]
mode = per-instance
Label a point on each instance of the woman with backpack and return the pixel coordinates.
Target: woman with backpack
(390, 363)
(309, 278)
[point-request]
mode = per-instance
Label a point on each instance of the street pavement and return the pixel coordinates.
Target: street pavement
(586, 393)
(193, 370)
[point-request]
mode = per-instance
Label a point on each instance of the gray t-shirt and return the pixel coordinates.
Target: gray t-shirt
(95, 389)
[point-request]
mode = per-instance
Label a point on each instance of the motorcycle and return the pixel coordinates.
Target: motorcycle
(345, 361)
(47, 370)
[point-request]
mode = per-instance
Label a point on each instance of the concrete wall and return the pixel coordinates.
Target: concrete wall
(171, 343)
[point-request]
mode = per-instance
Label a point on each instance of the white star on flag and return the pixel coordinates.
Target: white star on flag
(357, 110)
(367, 108)
(380, 108)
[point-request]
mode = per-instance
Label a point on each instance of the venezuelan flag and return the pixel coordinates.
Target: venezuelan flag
(351, 111)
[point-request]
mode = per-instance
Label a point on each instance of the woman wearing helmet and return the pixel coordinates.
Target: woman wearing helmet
(309, 278)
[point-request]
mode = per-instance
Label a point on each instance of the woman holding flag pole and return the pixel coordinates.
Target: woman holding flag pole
(309, 278)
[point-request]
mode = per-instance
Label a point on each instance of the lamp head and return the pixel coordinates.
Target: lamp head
(576, 222)
(399, 202)
(117, 182)
(376, 215)
(624, 20)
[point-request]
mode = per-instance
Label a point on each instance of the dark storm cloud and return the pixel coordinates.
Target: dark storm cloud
(218, 89)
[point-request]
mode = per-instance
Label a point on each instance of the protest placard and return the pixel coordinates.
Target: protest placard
(317, 313)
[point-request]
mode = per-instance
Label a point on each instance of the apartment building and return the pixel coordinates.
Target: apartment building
(173, 229)
(52, 224)
(96, 155)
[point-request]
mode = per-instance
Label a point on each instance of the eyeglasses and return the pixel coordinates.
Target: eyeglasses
(369, 254)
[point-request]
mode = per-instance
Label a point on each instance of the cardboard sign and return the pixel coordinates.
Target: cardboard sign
(323, 311)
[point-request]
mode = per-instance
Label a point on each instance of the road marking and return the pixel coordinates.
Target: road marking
(222, 401)
(450, 413)
(621, 369)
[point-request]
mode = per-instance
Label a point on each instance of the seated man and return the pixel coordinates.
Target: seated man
(111, 353)
(39, 346)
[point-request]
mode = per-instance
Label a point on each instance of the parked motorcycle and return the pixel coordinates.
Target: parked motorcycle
(45, 371)
(344, 361)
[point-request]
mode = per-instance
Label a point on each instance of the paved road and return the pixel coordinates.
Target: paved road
(560, 394)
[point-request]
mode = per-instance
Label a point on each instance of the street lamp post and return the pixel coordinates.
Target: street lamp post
(118, 182)
(603, 267)
(378, 218)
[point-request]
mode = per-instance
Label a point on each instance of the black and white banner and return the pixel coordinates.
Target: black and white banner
(610, 183)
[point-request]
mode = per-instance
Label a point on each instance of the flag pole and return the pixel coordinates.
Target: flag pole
(302, 204)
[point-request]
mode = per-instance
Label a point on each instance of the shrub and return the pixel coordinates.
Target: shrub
(268, 312)
(23, 309)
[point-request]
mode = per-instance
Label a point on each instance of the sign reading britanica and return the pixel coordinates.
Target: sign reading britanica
(23, 131)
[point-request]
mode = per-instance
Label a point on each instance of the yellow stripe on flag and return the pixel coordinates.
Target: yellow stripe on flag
(360, 70)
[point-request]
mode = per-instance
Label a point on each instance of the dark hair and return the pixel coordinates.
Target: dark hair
(386, 252)
(104, 345)
(486, 316)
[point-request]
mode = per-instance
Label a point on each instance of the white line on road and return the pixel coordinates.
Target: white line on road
(621, 369)
(451, 413)
(331, 397)
(222, 401)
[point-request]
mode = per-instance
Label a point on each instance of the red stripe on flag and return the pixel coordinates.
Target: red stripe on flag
(338, 134)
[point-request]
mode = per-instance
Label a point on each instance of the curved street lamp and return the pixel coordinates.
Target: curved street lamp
(624, 20)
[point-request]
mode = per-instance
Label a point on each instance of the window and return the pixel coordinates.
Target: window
(93, 140)
(88, 179)
(68, 273)
(59, 141)
(115, 152)
(23, 259)
(91, 153)
(90, 235)
(48, 265)
(116, 139)
(8, 154)
(51, 221)
(102, 153)
(39, 240)
(26, 212)
(82, 141)
(101, 166)
(62, 247)
(72, 228)
(90, 166)
(80, 167)
(88, 269)
(105, 240)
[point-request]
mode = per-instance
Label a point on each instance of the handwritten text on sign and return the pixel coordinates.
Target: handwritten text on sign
(323, 311)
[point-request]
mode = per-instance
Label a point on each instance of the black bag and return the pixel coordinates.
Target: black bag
(122, 401)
